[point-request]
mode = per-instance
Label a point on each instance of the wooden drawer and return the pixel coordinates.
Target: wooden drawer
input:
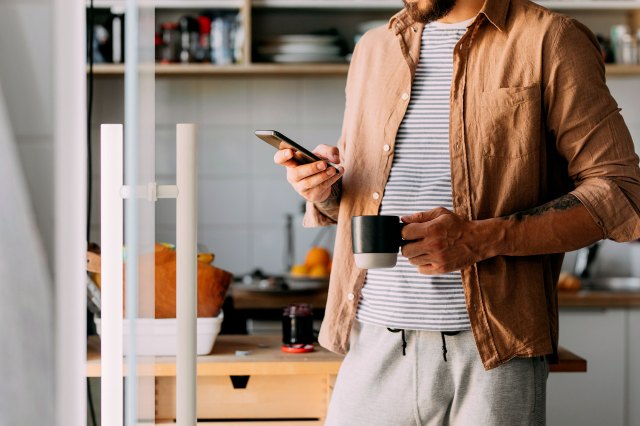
(264, 397)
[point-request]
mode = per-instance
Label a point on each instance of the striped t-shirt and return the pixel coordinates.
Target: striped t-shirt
(420, 179)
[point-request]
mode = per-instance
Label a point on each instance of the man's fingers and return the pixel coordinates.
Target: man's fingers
(301, 172)
(415, 231)
(411, 250)
(425, 216)
(315, 180)
(330, 153)
(284, 157)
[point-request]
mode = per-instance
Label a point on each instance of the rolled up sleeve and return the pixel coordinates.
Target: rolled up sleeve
(313, 217)
(591, 134)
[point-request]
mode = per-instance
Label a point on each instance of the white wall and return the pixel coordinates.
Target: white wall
(26, 291)
(26, 75)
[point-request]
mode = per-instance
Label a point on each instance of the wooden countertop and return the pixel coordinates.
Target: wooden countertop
(599, 299)
(247, 299)
(265, 358)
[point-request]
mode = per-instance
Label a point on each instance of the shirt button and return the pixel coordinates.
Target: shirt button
(457, 146)
(386, 147)
(350, 296)
(376, 195)
(405, 96)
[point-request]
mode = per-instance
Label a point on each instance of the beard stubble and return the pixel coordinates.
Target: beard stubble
(430, 12)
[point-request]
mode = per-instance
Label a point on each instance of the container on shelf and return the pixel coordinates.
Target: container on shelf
(158, 337)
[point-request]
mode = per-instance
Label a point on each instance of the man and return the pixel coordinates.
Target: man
(489, 128)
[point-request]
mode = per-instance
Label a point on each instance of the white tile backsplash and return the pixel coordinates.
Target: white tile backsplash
(273, 198)
(225, 102)
(274, 102)
(166, 150)
(224, 201)
(232, 247)
(224, 150)
(178, 101)
(268, 247)
(320, 101)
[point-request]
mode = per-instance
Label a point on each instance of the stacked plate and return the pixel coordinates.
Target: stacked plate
(301, 48)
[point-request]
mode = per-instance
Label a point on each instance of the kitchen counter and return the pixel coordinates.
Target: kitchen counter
(244, 299)
(248, 299)
(599, 299)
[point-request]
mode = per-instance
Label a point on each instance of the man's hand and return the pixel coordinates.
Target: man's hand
(442, 241)
(312, 181)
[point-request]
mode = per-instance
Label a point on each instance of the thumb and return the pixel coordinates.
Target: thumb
(425, 216)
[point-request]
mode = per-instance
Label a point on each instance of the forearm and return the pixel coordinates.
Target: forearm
(331, 205)
(559, 226)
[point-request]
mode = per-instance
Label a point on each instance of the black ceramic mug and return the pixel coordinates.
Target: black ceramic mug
(376, 240)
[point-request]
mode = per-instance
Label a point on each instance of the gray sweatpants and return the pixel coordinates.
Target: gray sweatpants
(377, 385)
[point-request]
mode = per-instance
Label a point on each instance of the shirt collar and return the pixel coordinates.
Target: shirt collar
(494, 10)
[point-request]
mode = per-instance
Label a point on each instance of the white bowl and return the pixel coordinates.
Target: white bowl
(159, 336)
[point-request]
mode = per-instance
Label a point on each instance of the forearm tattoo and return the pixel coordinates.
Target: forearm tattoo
(565, 202)
(331, 205)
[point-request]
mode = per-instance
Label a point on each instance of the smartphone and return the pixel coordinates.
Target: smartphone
(279, 141)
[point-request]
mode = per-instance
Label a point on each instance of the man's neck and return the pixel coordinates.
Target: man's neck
(463, 10)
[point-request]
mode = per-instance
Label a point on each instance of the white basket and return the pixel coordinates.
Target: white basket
(159, 337)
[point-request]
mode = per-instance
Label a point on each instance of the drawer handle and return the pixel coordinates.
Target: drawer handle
(239, 382)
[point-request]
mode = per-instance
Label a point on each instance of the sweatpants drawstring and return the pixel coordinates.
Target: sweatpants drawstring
(404, 340)
(444, 347)
(442, 333)
(444, 343)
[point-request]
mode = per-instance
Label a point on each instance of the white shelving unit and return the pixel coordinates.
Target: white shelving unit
(255, 14)
(350, 4)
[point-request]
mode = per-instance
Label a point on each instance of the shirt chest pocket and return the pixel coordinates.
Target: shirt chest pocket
(510, 121)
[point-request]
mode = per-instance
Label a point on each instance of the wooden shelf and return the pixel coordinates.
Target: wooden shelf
(172, 4)
(194, 70)
(623, 70)
(265, 69)
(329, 4)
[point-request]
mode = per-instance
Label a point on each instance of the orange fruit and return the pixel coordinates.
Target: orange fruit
(319, 271)
(299, 270)
(317, 256)
(206, 257)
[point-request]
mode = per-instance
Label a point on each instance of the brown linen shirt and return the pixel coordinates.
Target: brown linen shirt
(531, 119)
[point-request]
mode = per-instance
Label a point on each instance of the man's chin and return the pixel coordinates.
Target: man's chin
(429, 10)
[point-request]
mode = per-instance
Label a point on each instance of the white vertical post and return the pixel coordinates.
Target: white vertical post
(186, 275)
(111, 224)
(70, 167)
